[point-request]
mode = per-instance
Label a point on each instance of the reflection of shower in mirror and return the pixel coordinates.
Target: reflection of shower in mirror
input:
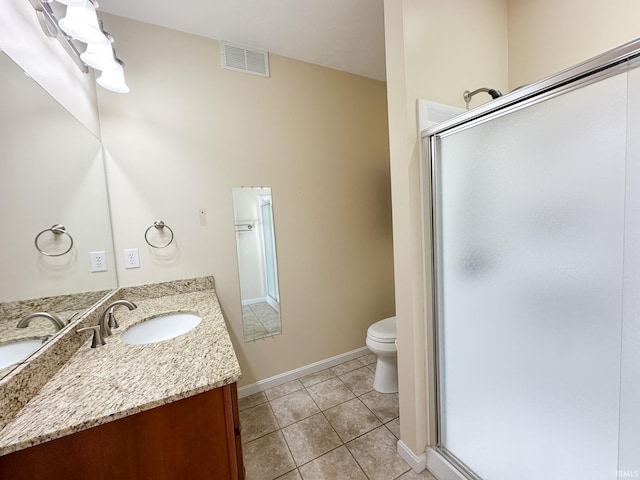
(257, 261)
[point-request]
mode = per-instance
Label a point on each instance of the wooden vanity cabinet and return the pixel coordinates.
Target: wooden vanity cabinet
(194, 438)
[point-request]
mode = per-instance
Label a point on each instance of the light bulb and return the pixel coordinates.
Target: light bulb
(74, 3)
(112, 79)
(99, 55)
(81, 23)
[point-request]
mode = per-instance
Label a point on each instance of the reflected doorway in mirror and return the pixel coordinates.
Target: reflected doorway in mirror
(257, 262)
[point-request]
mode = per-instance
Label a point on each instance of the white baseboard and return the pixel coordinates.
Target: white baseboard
(430, 460)
(441, 468)
(251, 301)
(275, 305)
(417, 462)
(285, 377)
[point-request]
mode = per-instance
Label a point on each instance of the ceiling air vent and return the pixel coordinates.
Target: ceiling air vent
(245, 59)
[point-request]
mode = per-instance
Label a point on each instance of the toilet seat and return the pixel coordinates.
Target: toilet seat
(383, 331)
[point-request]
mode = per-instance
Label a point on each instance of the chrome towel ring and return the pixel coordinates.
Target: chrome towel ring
(158, 225)
(56, 229)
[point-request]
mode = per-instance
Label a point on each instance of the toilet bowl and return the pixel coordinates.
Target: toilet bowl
(381, 340)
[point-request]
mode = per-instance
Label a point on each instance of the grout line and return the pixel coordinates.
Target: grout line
(343, 443)
(289, 448)
(357, 462)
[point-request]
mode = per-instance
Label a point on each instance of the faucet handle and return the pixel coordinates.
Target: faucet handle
(98, 339)
(111, 318)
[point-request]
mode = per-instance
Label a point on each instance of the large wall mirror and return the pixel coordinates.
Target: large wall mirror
(257, 262)
(52, 173)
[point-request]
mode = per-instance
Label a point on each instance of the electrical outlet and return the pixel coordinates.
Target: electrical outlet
(202, 213)
(98, 261)
(131, 258)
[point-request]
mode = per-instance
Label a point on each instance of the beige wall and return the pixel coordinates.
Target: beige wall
(546, 36)
(435, 50)
(189, 131)
(454, 46)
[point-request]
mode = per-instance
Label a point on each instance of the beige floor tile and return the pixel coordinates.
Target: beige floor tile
(330, 393)
(376, 453)
(368, 359)
(411, 475)
(347, 367)
(284, 389)
(267, 458)
(252, 400)
(293, 407)
(248, 313)
(272, 325)
(310, 438)
(359, 381)
(294, 475)
(335, 465)
(394, 426)
(257, 421)
(351, 419)
(253, 330)
(383, 405)
(372, 367)
(317, 377)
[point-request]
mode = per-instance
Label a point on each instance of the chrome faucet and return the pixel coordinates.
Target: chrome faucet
(59, 324)
(108, 319)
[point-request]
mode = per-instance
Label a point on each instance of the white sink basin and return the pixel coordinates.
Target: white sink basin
(161, 328)
(16, 352)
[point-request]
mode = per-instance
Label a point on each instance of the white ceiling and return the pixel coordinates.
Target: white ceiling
(346, 35)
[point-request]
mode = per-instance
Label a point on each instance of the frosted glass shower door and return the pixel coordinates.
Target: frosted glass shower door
(629, 466)
(529, 231)
(269, 239)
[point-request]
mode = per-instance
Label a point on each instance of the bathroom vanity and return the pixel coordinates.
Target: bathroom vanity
(162, 410)
(197, 437)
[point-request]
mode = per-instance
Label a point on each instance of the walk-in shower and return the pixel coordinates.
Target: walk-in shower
(532, 203)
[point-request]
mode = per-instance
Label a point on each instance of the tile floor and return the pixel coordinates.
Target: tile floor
(330, 425)
(260, 320)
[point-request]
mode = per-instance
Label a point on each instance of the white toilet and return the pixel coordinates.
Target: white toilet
(381, 340)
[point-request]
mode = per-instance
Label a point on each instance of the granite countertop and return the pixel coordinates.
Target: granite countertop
(100, 385)
(66, 307)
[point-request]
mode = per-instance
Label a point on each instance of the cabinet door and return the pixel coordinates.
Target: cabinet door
(183, 439)
(233, 431)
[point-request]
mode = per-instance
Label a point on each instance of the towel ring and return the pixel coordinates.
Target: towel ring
(56, 229)
(158, 225)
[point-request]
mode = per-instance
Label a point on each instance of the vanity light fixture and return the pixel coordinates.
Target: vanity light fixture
(112, 78)
(75, 3)
(80, 23)
(99, 55)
